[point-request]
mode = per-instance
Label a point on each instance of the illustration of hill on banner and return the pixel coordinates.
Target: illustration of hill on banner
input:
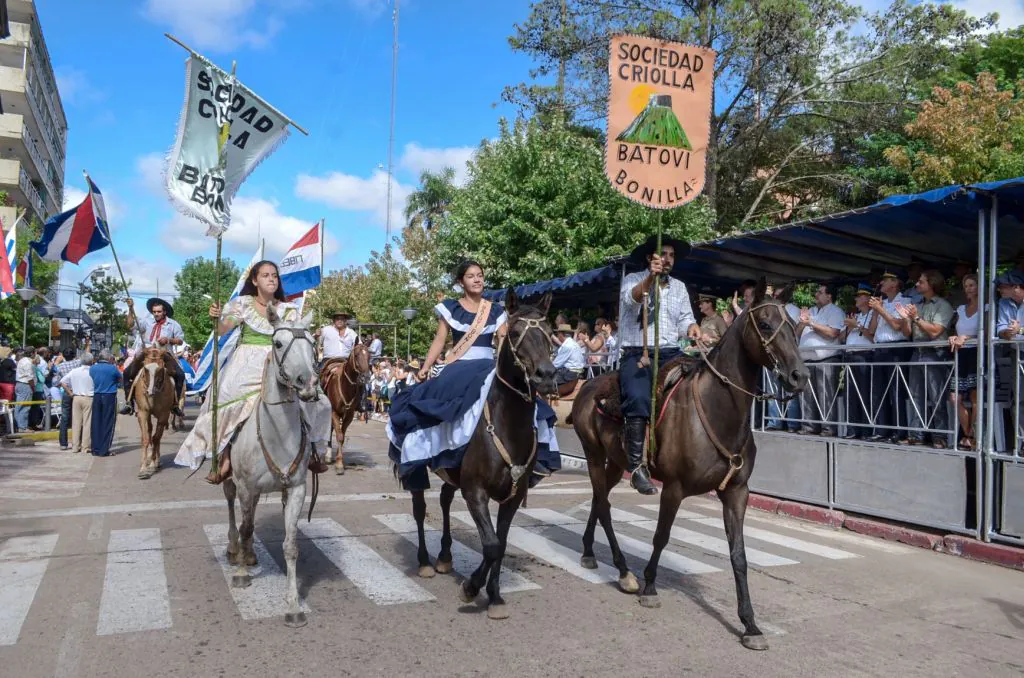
(657, 125)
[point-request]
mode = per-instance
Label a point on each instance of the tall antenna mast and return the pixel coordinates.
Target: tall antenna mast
(391, 132)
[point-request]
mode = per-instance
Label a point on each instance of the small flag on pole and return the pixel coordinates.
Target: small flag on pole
(7, 263)
(71, 235)
(24, 273)
(301, 267)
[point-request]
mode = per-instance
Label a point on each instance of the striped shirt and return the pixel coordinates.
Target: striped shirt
(884, 333)
(675, 314)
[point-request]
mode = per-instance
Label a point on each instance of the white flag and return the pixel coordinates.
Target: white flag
(225, 131)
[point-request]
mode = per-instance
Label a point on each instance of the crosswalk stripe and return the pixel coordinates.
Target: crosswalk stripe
(706, 542)
(44, 462)
(681, 514)
(550, 551)
(670, 560)
(265, 597)
(379, 580)
(846, 537)
(57, 473)
(773, 538)
(23, 562)
(135, 585)
(464, 559)
(60, 485)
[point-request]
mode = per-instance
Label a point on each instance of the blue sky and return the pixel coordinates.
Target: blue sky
(326, 64)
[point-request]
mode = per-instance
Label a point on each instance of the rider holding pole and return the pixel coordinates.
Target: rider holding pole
(637, 332)
(159, 329)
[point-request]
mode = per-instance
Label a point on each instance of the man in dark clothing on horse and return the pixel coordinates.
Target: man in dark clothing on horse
(676, 320)
(159, 330)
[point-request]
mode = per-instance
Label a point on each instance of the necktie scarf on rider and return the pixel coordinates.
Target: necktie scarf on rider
(156, 330)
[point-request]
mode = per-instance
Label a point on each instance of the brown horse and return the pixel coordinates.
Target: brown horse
(695, 452)
(154, 398)
(343, 382)
(500, 457)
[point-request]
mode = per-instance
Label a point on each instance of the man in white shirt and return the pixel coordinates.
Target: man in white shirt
(78, 383)
(24, 387)
(888, 393)
(675, 320)
(158, 329)
(570, 359)
(337, 339)
(858, 332)
(819, 330)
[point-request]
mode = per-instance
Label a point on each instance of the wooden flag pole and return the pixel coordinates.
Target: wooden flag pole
(117, 262)
(653, 447)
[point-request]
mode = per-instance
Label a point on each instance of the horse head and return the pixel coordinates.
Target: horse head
(769, 339)
(360, 360)
(154, 368)
(528, 342)
(293, 354)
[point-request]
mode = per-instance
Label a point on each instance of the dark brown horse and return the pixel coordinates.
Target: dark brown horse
(703, 441)
(500, 457)
(343, 382)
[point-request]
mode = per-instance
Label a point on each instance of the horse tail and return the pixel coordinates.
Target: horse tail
(568, 419)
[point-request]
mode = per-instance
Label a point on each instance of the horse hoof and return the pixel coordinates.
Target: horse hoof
(590, 563)
(758, 642)
(250, 560)
(339, 470)
(650, 602)
(235, 558)
(443, 566)
(497, 611)
(629, 584)
(145, 475)
(295, 620)
(241, 581)
(464, 595)
(426, 572)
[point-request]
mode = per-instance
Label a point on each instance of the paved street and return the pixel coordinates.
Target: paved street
(105, 575)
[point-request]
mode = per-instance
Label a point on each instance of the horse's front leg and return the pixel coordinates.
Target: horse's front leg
(247, 499)
(234, 550)
(671, 497)
(444, 558)
(506, 512)
(142, 415)
(294, 617)
(734, 508)
(158, 434)
(476, 501)
(339, 436)
(419, 512)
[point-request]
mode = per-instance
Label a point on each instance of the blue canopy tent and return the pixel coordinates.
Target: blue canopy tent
(939, 227)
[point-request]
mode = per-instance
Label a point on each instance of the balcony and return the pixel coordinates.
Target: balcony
(41, 111)
(31, 194)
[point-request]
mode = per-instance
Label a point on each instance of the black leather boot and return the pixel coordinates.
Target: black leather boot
(129, 401)
(640, 477)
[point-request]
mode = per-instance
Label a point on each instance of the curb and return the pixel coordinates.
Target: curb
(951, 544)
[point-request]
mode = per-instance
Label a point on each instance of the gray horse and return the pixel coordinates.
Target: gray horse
(271, 451)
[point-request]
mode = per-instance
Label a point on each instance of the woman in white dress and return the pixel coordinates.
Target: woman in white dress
(242, 376)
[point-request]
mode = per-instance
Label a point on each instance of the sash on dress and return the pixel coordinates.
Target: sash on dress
(479, 322)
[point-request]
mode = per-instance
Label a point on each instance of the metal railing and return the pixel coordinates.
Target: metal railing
(31, 192)
(42, 112)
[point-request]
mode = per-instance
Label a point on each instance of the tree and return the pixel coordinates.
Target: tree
(44, 276)
(105, 297)
(195, 285)
(973, 132)
(376, 293)
(429, 203)
(798, 83)
(538, 205)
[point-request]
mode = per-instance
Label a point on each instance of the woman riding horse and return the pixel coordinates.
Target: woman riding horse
(241, 378)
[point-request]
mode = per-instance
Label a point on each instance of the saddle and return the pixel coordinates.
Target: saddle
(609, 395)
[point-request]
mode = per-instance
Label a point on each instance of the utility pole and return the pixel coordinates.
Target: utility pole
(391, 132)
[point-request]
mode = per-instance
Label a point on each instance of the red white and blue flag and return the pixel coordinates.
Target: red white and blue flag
(71, 235)
(301, 267)
(23, 274)
(7, 264)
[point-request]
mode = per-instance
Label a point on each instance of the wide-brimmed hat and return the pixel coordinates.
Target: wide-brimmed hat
(414, 364)
(1010, 278)
(157, 301)
(564, 328)
(638, 257)
(341, 314)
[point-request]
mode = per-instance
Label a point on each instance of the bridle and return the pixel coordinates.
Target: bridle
(513, 347)
(360, 380)
(297, 333)
(766, 345)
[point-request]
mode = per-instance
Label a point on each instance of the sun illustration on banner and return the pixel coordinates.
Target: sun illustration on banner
(656, 123)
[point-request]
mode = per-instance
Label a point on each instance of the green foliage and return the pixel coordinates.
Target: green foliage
(538, 205)
(377, 292)
(104, 297)
(197, 278)
(44, 276)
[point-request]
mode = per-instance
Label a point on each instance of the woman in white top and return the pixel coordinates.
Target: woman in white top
(967, 326)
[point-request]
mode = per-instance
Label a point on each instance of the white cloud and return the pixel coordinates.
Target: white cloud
(215, 24)
(358, 194)
(145, 276)
(416, 159)
(75, 88)
(74, 196)
(1011, 12)
(251, 219)
(149, 170)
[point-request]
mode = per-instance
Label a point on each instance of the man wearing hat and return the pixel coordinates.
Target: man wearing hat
(675, 321)
(888, 388)
(1010, 310)
(337, 339)
(859, 330)
(158, 329)
(570, 359)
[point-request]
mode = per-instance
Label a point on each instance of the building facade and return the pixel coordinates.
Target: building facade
(33, 128)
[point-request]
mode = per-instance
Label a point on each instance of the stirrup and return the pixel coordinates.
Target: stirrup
(645, 486)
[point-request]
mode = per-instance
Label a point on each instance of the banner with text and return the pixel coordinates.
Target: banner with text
(225, 131)
(659, 119)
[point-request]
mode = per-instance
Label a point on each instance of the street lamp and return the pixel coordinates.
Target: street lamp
(81, 290)
(408, 314)
(27, 294)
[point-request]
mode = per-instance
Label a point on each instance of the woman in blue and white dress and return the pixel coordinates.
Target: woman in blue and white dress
(432, 422)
